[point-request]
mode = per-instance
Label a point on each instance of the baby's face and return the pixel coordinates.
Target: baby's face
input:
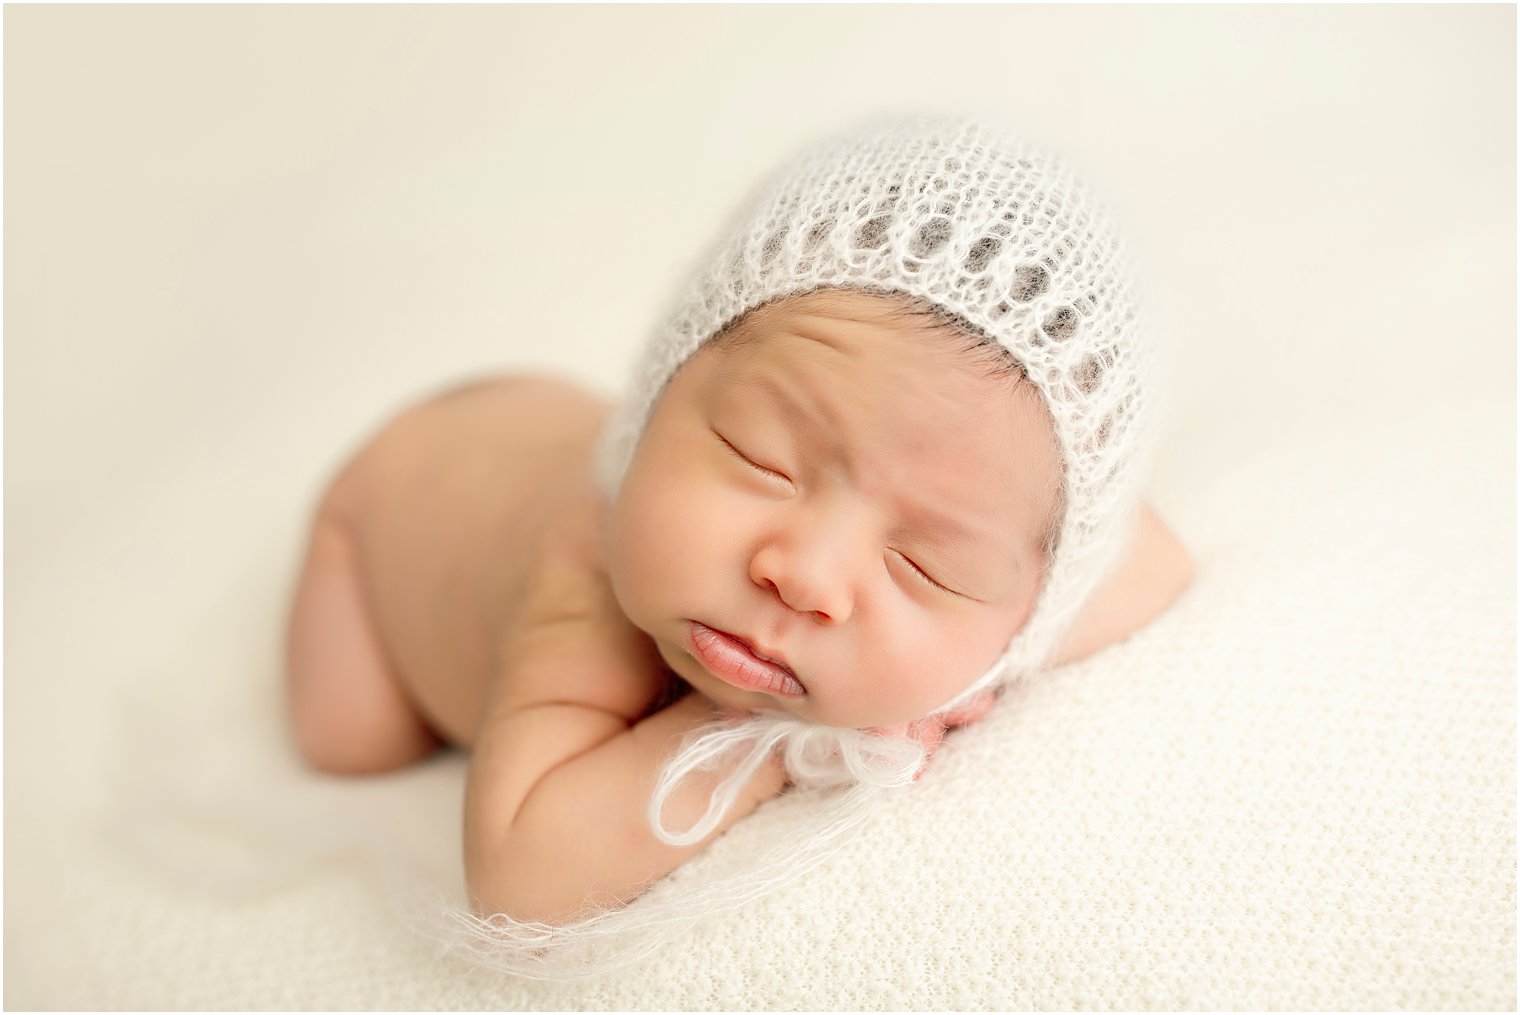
(845, 494)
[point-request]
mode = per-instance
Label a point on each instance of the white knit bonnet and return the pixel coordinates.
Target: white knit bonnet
(1005, 240)
(999, 236)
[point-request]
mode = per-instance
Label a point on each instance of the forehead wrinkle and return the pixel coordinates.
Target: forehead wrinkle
(800, 408)
(817, 419)
(817, 328)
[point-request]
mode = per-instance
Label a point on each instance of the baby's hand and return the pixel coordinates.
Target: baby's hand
(929, 732)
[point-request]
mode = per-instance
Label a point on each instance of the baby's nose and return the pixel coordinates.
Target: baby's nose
(806, 578)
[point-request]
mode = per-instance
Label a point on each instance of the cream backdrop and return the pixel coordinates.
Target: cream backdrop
(237, 237)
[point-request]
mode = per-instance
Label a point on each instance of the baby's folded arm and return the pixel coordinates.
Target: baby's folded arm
(557, 803)
(1152, 572)
(564, 762)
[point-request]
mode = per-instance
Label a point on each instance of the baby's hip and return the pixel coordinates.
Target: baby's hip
(447, 503)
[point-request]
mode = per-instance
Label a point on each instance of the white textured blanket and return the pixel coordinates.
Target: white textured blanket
(1295, 790)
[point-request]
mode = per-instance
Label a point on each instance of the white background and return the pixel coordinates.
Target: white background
(238, 237)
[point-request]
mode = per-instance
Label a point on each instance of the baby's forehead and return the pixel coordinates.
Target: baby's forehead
(889, 392)
(888, 311)
(904, 338)
(887, 350)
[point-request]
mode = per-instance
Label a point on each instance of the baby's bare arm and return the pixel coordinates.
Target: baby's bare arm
(563, 768)
(556, 816)
(1153, 571)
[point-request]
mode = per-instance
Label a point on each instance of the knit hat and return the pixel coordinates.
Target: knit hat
(1002, 238)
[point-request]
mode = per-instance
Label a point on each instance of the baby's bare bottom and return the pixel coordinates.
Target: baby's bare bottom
(415, 562)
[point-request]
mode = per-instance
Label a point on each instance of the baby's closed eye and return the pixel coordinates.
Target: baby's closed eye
(748, 460)
(923, 575)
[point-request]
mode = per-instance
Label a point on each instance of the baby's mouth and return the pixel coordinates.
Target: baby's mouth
(735, 661)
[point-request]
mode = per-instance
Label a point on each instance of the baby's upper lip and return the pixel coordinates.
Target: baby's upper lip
(769, 655)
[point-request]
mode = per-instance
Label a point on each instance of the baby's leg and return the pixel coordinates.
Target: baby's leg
(350, 711)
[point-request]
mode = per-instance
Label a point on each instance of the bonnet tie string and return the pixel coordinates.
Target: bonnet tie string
(815, 757)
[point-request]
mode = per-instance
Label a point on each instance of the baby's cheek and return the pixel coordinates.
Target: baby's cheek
(630, 561)
(649, 552)
(933, 665)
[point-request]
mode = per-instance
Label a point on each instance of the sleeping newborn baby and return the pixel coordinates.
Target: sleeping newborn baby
(880, 461)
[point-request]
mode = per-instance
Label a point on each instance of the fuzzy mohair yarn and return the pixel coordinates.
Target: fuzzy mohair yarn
(1004, 242)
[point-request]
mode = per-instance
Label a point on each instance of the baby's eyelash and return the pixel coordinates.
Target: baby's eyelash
(747, 460)
(924, 575)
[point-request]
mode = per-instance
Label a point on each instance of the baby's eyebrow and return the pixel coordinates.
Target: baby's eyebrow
(947, 528)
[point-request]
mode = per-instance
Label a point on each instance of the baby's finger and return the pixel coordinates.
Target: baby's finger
(971, 711)
(930, 733)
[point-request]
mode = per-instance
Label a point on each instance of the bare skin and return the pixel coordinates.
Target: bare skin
(455, 591)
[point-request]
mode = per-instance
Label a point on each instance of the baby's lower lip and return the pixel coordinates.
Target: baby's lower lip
(731, 661)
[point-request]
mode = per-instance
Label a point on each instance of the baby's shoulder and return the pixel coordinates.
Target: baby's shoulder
(570, 641)
(569, 657)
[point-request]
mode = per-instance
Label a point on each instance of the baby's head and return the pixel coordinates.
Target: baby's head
(858, 492)
(889, 438)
